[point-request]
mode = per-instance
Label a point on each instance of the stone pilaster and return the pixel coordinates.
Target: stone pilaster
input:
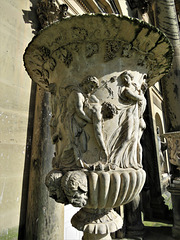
(166, 21)
(39, 206)
(174, 189)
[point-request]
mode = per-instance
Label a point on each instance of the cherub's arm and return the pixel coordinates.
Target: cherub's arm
(79, 100)
(93, 99)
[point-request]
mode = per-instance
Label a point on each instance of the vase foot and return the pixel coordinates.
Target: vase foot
(97, 222)
(89, 236)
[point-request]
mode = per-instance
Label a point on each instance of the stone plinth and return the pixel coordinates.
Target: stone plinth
(174, 189)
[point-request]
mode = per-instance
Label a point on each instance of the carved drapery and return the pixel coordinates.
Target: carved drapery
(97, 68)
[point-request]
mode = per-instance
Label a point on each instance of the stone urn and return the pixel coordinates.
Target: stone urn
(173, 142)
(173, 147)
(97, 69)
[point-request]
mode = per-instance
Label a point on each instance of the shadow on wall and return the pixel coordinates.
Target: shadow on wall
(30, 17)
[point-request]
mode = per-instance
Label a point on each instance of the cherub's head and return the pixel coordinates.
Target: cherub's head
(126, 78)
(89, 84)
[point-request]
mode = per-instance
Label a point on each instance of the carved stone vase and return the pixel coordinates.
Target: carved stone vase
(97, 68)
(173, 142)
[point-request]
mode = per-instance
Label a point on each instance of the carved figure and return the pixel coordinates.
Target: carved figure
(92, 108)
(125, 142)
(162, 146)
(84, 108)
(69, 188)
(75, 186)
(142, 124)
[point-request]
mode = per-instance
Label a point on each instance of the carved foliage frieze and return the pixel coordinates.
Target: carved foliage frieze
(108, 35)
(44, 62)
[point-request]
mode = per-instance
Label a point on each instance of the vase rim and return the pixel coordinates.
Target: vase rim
(139, 37)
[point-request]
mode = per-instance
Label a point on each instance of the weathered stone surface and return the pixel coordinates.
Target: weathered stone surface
(173, 141)
(97, 221)
(88, 236)
(174, 189)
(49, 12)
(94, 189)
(96, 36)
(40, 209)
(97, 75)
(170, 84)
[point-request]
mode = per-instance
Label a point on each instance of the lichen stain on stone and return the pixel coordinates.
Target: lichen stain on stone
(176, 90)
(36, 163)
(177, 72)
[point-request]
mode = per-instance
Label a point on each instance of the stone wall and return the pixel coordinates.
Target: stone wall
(15, 88)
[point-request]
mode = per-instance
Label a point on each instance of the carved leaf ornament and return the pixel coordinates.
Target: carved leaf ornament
(118, 37)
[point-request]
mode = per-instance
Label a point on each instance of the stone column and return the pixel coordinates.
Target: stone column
(133, 219)
(39, 224)
(174, 189)
(35, 222)
(166, 21)
(97, 73)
